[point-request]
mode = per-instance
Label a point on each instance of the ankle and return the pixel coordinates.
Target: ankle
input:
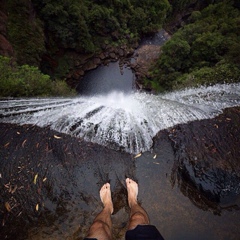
(109, 208)
(132, 203)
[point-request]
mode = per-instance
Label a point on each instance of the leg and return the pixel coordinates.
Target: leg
(139, 227)
(102, 224)
(138, 215)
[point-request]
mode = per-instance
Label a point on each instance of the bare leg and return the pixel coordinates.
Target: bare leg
(102, 224)
(138, 215)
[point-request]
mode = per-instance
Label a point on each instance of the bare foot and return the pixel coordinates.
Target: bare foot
(132, 188)
(105, 196)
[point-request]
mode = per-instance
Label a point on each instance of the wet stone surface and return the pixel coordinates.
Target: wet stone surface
(209, 162)
(189, 182)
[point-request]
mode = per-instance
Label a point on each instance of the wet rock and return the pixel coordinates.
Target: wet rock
(107, 61)
(102, 56)
(77, 74)
(42, 169)
(89, 65)
(58, 178)
(129, 52)
(112, 55)
(145, 56)
(121, 52)
(97, 61)
(208, 164)
(84, 58)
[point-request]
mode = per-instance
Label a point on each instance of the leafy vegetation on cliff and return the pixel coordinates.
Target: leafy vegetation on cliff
(86, 25)
(204, 51)
(43, 32)
(25, 32)
(28, 81)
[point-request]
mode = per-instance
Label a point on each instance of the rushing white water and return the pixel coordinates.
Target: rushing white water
(120, 121)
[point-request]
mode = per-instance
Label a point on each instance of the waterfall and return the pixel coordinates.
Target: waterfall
(121, 121)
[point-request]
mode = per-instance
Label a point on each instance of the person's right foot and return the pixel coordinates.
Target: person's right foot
(132, 188)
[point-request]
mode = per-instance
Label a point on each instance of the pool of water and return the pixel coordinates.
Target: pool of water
(106, 79)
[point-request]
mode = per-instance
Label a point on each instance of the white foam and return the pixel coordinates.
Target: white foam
(118, 120)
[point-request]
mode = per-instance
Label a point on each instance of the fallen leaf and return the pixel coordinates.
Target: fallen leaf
(8, 207)
(154, 156)
(44, 179)
(24, 142)
(37, 206)
(228, 119)
(6, 185)
(57, 137)
(14, 189)
(18, 133)
(138, 155)
(156, 163)
(35, 179)
(6, 144)
(19, 214)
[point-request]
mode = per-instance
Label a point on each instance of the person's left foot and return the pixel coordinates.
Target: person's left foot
(105, 195)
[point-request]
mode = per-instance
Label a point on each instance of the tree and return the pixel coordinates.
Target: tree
(27, 81)
(209, 44)
(25, 32)
(177, 52)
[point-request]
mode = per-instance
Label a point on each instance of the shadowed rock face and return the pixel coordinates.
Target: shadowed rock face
(147, 54)
(6, 48)
(207, 161)
(42, 172)
(50, 182)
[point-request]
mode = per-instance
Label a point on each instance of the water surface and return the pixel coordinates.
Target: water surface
(106, 79)
(121, 121)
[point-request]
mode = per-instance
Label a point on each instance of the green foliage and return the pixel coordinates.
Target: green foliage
(195, 16)
(175, 52)
(204, 51)
(148, 16)
(25, 32)
(222, 73)
(63, 66)
(86, 24)
(60, 88)
(180, 8)
(65, 19)
(27, 81)
(180, 5)
(37, 28)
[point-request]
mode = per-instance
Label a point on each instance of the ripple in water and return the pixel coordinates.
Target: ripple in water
(121, 121)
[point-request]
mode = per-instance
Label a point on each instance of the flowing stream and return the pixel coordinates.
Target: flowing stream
(118, 120)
